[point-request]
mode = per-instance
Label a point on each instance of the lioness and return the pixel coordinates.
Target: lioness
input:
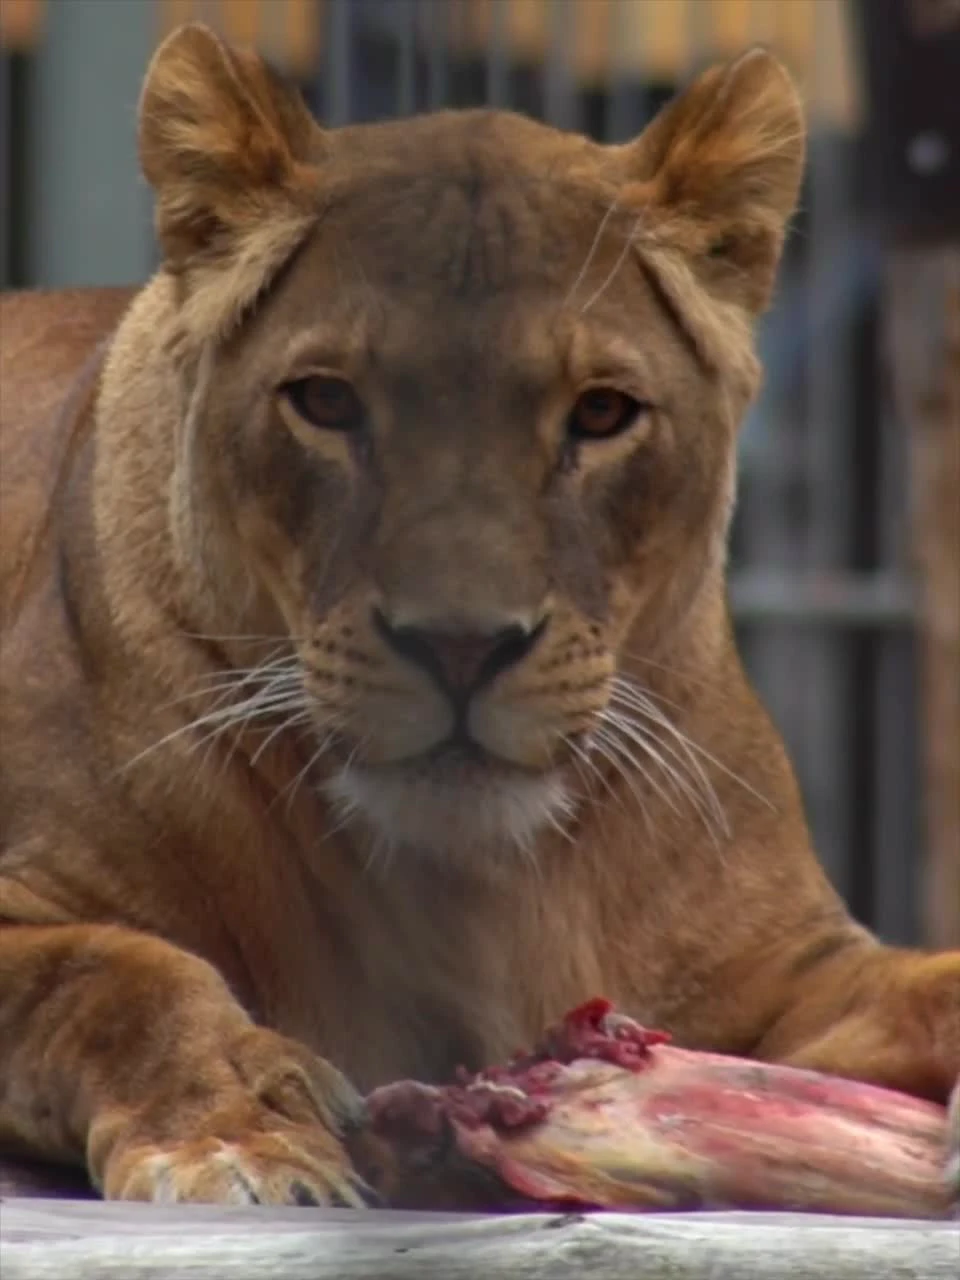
(370, 696)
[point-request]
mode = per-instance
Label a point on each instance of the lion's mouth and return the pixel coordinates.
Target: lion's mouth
(453, 800)
(457, 761)
(458, 755)
(462, 754)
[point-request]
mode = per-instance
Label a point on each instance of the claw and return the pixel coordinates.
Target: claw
(371, 1199)
(354, 1193)
(302, 1195)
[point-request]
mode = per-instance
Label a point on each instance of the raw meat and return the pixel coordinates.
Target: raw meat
(606, 1115)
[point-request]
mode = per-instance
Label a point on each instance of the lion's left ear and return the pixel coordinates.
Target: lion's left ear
(719, 171)
(231, 153)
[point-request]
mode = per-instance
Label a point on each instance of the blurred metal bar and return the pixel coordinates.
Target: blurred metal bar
(90, 212)
(767, 545)
(209, 11)
(841, 600)
(922, 342)
(909, 55)
(895, 759)
(406, 36)
(762, 23)
(828, 469)
(438, 59)
(700, 16)
(896, 837)
(627, 106)
(6, 171)
(498, 55)
(559, 79)
(336, 75)
(271, 27)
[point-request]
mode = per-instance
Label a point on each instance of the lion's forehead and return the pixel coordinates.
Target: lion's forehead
(465, 234)
(464, 203)
(471, 270)
(455, 274)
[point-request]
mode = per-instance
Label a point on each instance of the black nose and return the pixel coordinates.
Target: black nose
(460, 662)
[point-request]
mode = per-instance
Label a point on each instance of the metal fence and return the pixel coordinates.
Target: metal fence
(822, 602)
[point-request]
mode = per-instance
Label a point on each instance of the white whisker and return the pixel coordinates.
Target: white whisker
(281, 692)
(677, 672)
(606, 745)
(581, 759)
(246, 637)
(591, 252)
(304, 716)
(636, 700)
(611, 275)
(615, 733)
(650, 701)
(233, 680)
(673, 770)
(294, 786)
(686, 769)
(557, 822)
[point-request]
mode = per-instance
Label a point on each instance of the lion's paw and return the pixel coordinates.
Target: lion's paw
(268, 1168)
(261, 1122)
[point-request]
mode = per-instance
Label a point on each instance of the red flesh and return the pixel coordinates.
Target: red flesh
(604, 1114)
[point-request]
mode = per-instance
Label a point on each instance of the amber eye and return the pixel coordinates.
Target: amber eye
(326, 402)
(601, 412)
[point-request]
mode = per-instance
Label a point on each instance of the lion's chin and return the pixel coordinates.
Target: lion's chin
(452, 806)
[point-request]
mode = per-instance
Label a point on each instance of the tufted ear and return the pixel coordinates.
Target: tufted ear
(719, 171)
(232, 154)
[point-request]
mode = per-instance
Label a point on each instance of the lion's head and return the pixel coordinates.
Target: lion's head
(461, 401)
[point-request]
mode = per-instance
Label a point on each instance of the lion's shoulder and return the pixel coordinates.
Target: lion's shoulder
(46, 338)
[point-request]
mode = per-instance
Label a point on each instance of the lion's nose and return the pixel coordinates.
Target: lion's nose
(460, 661)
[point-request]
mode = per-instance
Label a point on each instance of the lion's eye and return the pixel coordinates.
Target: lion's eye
(326, 402)
(601, 412)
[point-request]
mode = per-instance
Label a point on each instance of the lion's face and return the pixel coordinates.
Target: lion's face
(475, 440)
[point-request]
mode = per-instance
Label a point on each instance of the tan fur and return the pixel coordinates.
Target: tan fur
(200, 914)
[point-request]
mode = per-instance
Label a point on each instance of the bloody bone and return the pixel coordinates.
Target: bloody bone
(606, 1115)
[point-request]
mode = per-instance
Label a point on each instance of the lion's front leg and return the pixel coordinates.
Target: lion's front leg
(891, 1017)
(125, 1053)
(887, 1016)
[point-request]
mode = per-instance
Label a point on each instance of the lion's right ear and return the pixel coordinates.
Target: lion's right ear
(231, 153)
